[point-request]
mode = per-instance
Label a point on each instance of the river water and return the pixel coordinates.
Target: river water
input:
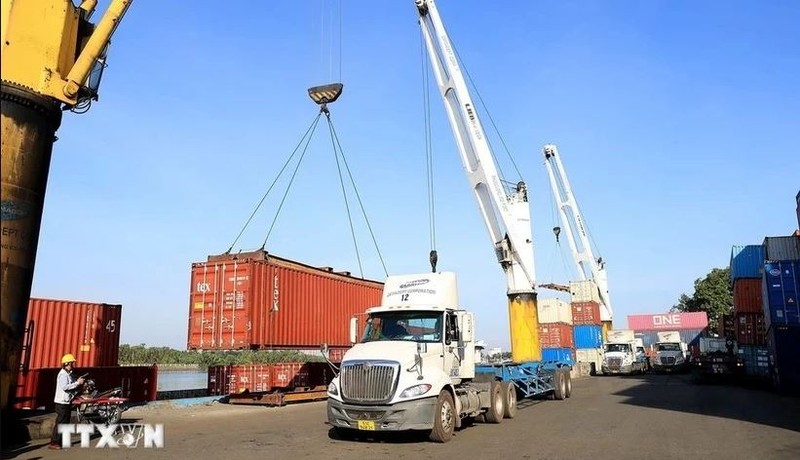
(182, 379)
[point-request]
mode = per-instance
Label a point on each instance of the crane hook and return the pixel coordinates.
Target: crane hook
(434, 258)
(557, 231)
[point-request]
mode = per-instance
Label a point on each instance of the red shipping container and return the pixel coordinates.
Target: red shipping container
(747, 295)
(37, 387)
(586, 313)
(256, 300)
(556, 335)
(668, 321)
(727, 326)
(751, 329)
(90, 331)
(223, 380)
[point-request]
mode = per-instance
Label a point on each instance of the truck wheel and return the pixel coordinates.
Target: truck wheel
(496, 409)
(568, 377)
(444, 418)
(559, 385)
(509, 391)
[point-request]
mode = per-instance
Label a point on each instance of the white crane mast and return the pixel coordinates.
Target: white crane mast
(588, 266)
(504, 208)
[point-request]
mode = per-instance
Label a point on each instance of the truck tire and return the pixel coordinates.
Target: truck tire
(496, 409)
(568, 377)
(444, 418)
(559, 385)
(509, 391)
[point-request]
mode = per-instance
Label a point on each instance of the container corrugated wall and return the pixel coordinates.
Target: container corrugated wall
(36, 387)
(263, 301)
(781, 248)
(554, 311)
(584, 291)
(747, 295)
(781, 293)
(784, 343)
(747, 261)
(691, 337)
(756, 360)
(556, 335)
(90, 331)
(668, 321)
(586, 313)
(588, 336)
(558, 354)
(223, 380)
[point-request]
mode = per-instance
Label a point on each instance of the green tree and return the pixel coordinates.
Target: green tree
(712, 294)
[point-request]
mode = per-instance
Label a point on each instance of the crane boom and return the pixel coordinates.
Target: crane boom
(588, 266)
(504, 207)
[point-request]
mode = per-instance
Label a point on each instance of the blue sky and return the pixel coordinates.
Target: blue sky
(678, 122)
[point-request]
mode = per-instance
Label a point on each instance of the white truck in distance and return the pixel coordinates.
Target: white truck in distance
(620, 353)
(413, 367)
(672, 354)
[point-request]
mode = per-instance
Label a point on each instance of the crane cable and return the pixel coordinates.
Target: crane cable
(306, 138)
(426, 103)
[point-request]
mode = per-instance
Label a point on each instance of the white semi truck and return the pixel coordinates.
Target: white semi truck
(671, 352)
(621, 355)
(413, 366)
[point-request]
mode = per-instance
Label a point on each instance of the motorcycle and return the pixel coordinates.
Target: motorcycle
(96, 407)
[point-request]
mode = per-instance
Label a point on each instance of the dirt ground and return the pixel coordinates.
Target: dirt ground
(648, 417)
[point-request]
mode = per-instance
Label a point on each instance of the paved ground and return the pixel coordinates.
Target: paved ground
(658, 417)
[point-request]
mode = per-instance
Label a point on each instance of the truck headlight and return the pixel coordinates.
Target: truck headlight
(416, 390)
(332, 390)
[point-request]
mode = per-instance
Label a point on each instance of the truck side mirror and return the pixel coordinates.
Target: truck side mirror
(353, 330)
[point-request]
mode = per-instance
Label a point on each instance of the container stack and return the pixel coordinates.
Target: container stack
(587, 326)
(747, 266)
(781, 307)
(690, 326)
(555, 330)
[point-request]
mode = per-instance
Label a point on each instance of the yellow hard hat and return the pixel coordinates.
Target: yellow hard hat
(68, 358)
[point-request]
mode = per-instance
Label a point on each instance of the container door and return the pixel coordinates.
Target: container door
(203, 307)
(233, 297)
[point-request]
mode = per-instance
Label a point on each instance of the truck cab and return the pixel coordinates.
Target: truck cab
(672, 353)
(621, 355)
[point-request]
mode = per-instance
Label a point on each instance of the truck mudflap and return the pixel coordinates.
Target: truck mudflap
(408, 415)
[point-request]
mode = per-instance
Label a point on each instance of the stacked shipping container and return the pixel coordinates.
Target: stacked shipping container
(91, 332)
(588, 329)
(781, 308)
(747, 263)
(555, 330)
(259, 301)
(691, 327)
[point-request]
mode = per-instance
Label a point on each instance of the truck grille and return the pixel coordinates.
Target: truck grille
(615, 363)
(668, 360)
(369, 381)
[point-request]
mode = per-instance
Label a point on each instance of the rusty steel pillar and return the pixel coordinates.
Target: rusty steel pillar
(29, 124)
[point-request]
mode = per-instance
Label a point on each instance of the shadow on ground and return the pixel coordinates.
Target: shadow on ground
(740, 402)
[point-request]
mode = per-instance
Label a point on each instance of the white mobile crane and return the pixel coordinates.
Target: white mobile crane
(414, 366)
(588, 266)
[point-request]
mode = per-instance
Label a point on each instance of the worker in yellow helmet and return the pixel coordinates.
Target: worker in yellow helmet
(66, 388)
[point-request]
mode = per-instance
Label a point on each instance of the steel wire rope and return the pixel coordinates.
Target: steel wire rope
(336, 143)
(428, 144)
(310, 130)
(291, 180)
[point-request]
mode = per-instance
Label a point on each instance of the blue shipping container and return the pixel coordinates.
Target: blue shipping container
(756, 360)
(747, 261)
(781, 286)
(588, 336)
(784, 343)
(558, 354)
(690, 336)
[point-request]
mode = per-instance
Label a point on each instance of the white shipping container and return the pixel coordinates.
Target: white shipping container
(554, 311)
(777, 248)
(584, 291)
(620, 336)
(593, 356)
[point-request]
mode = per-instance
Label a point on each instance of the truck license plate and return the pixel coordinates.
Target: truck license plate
(368, 425)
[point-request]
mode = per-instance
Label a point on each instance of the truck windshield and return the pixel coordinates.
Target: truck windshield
(408, 326)
(623, 347)
(668, 347)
